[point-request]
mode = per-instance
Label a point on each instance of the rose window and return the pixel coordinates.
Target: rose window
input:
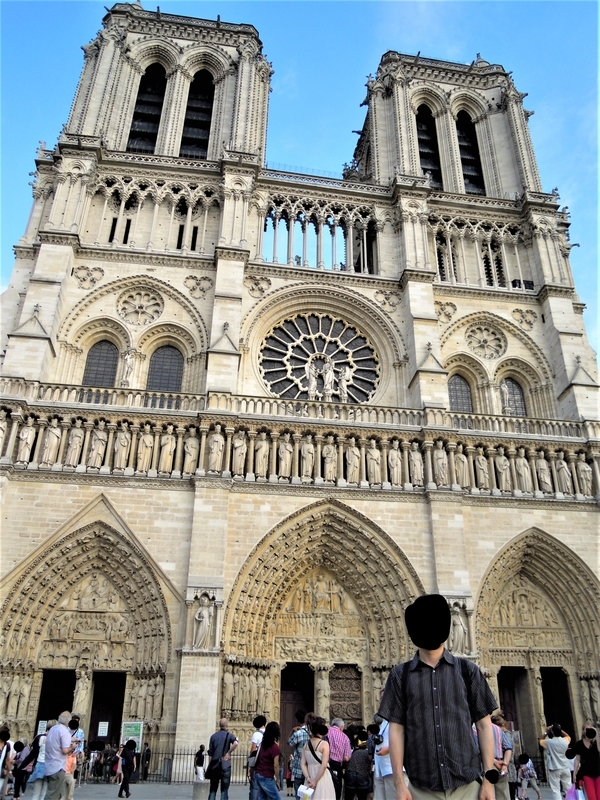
(140, 306)
(486, 342)
(319, 357)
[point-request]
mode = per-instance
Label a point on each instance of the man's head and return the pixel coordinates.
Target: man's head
(145, 744)
(224, 723)
(64, 718)
(4, 735)
(337, 723)
(259, 722)
(73, 724)
(300, 715)
(428, 621)
(557, 730)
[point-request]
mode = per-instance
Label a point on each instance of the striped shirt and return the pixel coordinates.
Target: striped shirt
(339, 745)
(440, 752)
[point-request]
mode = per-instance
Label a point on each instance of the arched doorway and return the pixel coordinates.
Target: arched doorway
(326, 589)
(86, 625)
(538, 631)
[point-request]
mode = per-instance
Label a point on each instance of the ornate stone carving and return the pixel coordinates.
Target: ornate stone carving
(295, 360)
(216, 447)
(503, 471)
(373, 457)
(203, 624)
(307, 454)
(525, 318)
(168, 443)
(563, 474)
(387, 300)
(88, 277)
(395, 464)
(523, 472)
(98, 447)
(191, 448)
(26, 439)
(444, 311)
(584, 473)
(140, 306)
(261, 456)
(461, 466)
(198, 285)
(51, 444)
(458, 640)
(415, 462)
(74, 444)
(485, 341)
(352, 462)
(144, 450)
(440, 465)
(257, 285)
(240, 448)
(285, 453)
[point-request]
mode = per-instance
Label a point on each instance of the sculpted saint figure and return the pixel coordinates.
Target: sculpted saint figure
(240, 448)
(122, 443)
(261, 455)
(330, 454)
(523, 470)
(503, 471)
(352, 461)
(74, 445)
(440, 464)
(328, 379)
(457, 641)
(260, 682)
(168, 443)
(253, 691)
(311, 376)
(26, 439)
(286, 450)
(584, 473)
(395, 464)
(82, 690)
(98, 448)
(24, 693)
(227, 689)
(51, 444)
(543, 473)
(308, 458)
(191, 447)
(216, 446)
(461, 466)
(343, 381)
(144, 453)
(563, 475)
(202, 623)
(415, 464)
(373, 463)
(481, 468)
(3, 427)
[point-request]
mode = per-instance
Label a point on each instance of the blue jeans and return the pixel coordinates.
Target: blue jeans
(267, 788)
(214, 785)
(253, 785)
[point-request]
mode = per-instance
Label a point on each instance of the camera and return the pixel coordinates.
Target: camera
(377, 739)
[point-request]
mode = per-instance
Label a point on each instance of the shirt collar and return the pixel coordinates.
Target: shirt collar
(416, 661)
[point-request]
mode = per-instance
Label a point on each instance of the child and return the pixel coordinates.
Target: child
(527, 774)
(289, 781)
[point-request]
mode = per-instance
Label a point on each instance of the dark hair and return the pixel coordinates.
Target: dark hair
(4, 734)
(309, 719)
(259, 721)
(523, 758)
(18, 747)
(373, 728)
(202, 748)
(130, 745)
(73, 724)
(300, 716)
(317, 726)
(557, 730)
(271, 735)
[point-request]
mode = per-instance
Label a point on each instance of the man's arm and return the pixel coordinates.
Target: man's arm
(485, 734)
(232, 747)
(396, 750)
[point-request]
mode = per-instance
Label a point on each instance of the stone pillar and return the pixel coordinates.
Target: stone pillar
(429, 482)
(250, 473)
(405, 469)
(203, 434)
(470, 452)
(273, 466)
(318, 464)
(513, 472)
(38, 445)
(322, 689)
(450, 448)
(296, 461)
(531, 458)
(130, 469)
(385, 483)
(176, 473)
(537, 697)
(227, 464)
(552, 459)
(596, 472)
(63, 442)
(572, 459)
(363, 482)
(340, 469)
(490, 453)
(153, 472)
(81, 467)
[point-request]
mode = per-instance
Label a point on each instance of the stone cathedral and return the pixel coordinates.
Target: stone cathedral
(249, 415)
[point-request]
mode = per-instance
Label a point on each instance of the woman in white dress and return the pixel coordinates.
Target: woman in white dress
(315, 758)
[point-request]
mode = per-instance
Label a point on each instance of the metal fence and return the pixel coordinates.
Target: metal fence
(169, 767)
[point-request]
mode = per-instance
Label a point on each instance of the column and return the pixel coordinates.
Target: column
(350, 247)
(364, 266)
(115, 240)
(245, 198)
(513, 471)
(476, 243)
(429, 482)
(260, 235)
(273, 466)
(153, 471)
(187, 229)
(204, 230)
(130, 469)
(470, 452)
(596, 472)
(60, 181)
(363, 482)
(334, 264)
(81, 467)
(105, 469)
(250, 473)
(149, 246)
(57, 466)
(318, 464)
(101, 219)
(203, 434)
(275, 235)
(176, 473)
(290, 243)
(296, 465)
(38, 445)
(552, 460)
(385, 483)
(462, 266)
(168, 239)
(227, 465)
(320, 262)
(340, 469)
(405, 470)
(305, 224)
(490, 453)
(450, 448)
(572, 458)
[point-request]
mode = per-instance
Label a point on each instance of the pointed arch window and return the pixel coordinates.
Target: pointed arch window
(459, 393)
(469, 154)
(166, 370)
(101, 365)
(513, 398)
(446, 257)
(198, 117)
(429, 152)
(148, 109)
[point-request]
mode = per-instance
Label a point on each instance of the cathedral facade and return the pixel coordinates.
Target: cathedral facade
(248, 415)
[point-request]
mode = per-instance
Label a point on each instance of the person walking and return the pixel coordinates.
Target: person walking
(299, 737)
(503, 750)
(259, 723)
(220, 747)
(430, 703)
(37, 758)
(267, 763)
(315, 758)
(145, 759)
(587, 762)
(527, 776)
(128, 765)
(58, 747)
(339, 753)
(555, 743)
(199, 763)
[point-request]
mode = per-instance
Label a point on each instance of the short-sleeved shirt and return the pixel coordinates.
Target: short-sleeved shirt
(339, 745)
(437, 713)
(589, 759)
(297, 740)
(199, 758)
(59, 738)
(383, 764)
(265, 763)
(219, 745)
(556, 753)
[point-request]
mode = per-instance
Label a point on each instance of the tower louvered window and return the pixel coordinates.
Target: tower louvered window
(459, 393)
(198, 116)
(469, 154)
(446, 257)
(101, 365)
(148, 109)
(166, 370)
(429, 153)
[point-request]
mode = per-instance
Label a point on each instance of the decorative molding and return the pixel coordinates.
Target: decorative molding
(140, 306)
(257, 285)
(88, 277)
(525, 318)
(486, 341)
(389, 301)
(198, 285)
(444, 311)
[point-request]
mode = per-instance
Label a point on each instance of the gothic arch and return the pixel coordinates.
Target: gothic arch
(532, 557)
(429, 96)
(148, 51)
(474, 372)
(328, 535)
(469, 101)
(209, 57)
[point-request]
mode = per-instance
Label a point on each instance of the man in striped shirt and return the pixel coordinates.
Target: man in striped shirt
(339, 752)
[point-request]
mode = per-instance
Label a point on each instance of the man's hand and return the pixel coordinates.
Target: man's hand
(486, 792)
(402, 791)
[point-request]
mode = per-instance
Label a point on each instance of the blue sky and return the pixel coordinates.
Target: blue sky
(321, 53)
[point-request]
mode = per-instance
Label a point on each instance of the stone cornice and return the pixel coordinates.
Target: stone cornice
(416, 275)
(487, 293)
(59, 237)
(231, 254)
(552, 290)
(321, 276)
(303, 184)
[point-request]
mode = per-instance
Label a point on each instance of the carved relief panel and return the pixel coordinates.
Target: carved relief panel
(345, 684)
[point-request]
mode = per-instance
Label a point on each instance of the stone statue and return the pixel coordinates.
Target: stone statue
(51, 444)
(240, 448)
(13, 696)
(286, 450)
(415, 464)
(307, 452)
(563, 475)
(141, 710)
(203, 623)
(133, 704)
(26, 439)
(122, 444)
(227, 689)
(323, 693)
(74, 445)
(311, 376)
(373, 463)
(128, 361)
(191, 448)
(261, 455)
(253, 702)
(595, 696)
(3, 428)
(584, 473)
(144, 453)
(352, 461)
(481, 469)
(158, 698)
(268, 695)
(3, 696)
(395, 464)
(503, 471)
(461, 467)
(82, 691)
(457, 641)
(216, 446)
(523, 470)
(244, 689)
(150, 695)
(260, 683)
(343, 380)
(330, 455)
(98, 448)
(586, 706)
(168, 442)
(328, 379)
(440, 465)
(505, 395)
(543, 473)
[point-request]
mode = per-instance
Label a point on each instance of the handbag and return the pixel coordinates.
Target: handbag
(253, 758)
(214, 769)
